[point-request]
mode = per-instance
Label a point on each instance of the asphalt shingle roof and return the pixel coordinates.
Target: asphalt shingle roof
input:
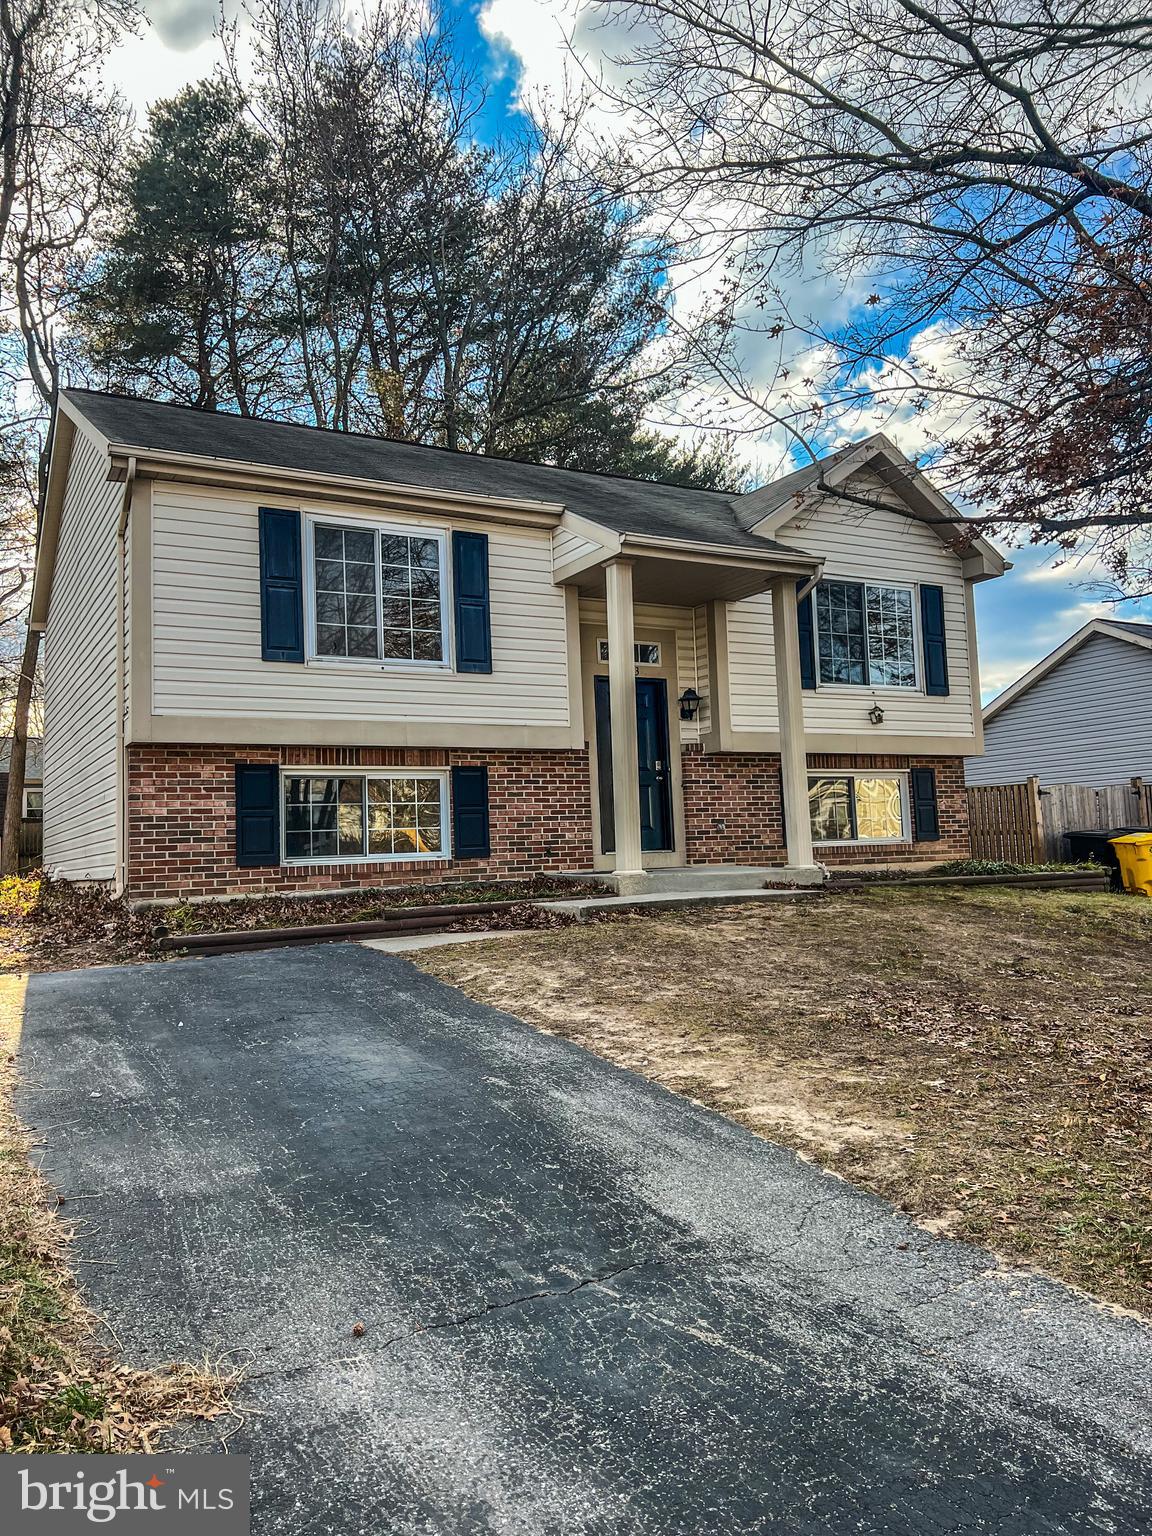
(1143, 630)
(626, 506)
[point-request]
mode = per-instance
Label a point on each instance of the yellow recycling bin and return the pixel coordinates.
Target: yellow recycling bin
(1134, 850)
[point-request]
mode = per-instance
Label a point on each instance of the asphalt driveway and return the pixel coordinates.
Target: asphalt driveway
(589, 1305)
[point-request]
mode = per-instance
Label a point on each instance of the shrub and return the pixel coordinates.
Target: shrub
(19, 896)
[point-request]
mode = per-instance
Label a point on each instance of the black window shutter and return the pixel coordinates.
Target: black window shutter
(603, 700)
(257, 814)
(473, 609)
(807, 640)
(281, 585)
(470, 827)
(925, 816)
(935, 647)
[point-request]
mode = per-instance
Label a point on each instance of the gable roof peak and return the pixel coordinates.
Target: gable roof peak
(1112, 629)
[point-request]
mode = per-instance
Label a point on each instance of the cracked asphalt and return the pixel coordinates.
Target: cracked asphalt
(589, 1306)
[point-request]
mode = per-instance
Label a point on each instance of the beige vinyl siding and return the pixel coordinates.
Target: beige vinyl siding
(206, 630)
(751, 664)
(568, 545)
(859, 545)
(80, 661)
(1088, 721)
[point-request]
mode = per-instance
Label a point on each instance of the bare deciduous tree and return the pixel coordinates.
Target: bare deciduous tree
(60, 132)
(982, 172)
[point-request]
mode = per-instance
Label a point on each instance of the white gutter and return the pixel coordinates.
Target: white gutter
(735, 552)
(146, 457)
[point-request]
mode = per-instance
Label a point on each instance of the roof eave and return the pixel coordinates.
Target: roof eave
(241, 473)
(982, 560)
(48, 532)
(740, 553)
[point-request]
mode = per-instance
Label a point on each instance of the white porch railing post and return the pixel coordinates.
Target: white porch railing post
(790, 708)
(622, 701)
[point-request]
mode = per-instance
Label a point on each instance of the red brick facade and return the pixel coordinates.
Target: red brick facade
(951, 810)
(182, 816)
(733, 809)
(182, 819)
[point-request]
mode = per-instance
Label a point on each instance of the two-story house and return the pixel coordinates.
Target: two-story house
(285, 659)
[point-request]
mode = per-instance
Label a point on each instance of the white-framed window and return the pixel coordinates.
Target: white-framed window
(865, 634)
(858, 807)
(381, 814)
(647, 652)
(377, 592)
(34, 804)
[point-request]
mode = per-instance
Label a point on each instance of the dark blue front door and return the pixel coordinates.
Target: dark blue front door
(655, 780)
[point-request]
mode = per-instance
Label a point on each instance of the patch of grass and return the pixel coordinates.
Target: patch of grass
(980, 1056)
(19, 896)
(59, 1390)
(981, 867)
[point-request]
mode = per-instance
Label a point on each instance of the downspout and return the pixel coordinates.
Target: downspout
(121, 883)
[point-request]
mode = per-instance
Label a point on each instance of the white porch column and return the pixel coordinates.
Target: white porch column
(790, 707)
(622, 701)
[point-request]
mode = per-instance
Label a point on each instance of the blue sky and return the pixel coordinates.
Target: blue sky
(516, 45)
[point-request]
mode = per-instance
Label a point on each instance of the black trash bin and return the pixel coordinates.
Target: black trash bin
(1096, 845)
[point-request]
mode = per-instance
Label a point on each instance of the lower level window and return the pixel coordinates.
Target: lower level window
(850, 808)
(365, 816)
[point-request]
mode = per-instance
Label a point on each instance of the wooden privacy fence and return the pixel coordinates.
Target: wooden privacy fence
(1026, 824)
(31, 843)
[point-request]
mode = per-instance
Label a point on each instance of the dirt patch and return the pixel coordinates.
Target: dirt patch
(982, 1058)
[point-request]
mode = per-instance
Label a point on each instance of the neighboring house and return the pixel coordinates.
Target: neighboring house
(282, 659)
(1083, 715)
(33, 807)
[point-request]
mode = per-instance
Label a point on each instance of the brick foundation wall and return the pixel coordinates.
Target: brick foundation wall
(733, 809)
(182, 819)
(182, 816)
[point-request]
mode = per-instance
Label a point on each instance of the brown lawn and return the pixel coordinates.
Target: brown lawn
(981, 1057)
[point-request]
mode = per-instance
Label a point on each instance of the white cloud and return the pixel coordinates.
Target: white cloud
(146, 69)
(996, 676)
(182, 24)
(1063, 622)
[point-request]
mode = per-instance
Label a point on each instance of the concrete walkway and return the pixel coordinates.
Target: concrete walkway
(590, 1307)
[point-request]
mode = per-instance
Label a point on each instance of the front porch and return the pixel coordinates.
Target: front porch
(652, 717)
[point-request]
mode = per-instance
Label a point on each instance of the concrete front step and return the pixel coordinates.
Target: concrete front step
(700, 879)
(671, 901)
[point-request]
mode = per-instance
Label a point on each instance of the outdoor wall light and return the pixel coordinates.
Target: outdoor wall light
(689, 704)
(876, 715)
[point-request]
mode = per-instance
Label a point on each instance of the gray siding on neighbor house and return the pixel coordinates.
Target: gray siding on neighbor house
(1089, 721)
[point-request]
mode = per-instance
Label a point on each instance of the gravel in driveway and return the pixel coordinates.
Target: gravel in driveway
(588, 1305)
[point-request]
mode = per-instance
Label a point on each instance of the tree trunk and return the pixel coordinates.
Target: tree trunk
(14, 806)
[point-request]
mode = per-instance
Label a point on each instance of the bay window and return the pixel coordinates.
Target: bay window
(865, 634)
(364, 816)
(858, 808)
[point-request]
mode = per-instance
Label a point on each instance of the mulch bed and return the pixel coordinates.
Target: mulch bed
(54, 925)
